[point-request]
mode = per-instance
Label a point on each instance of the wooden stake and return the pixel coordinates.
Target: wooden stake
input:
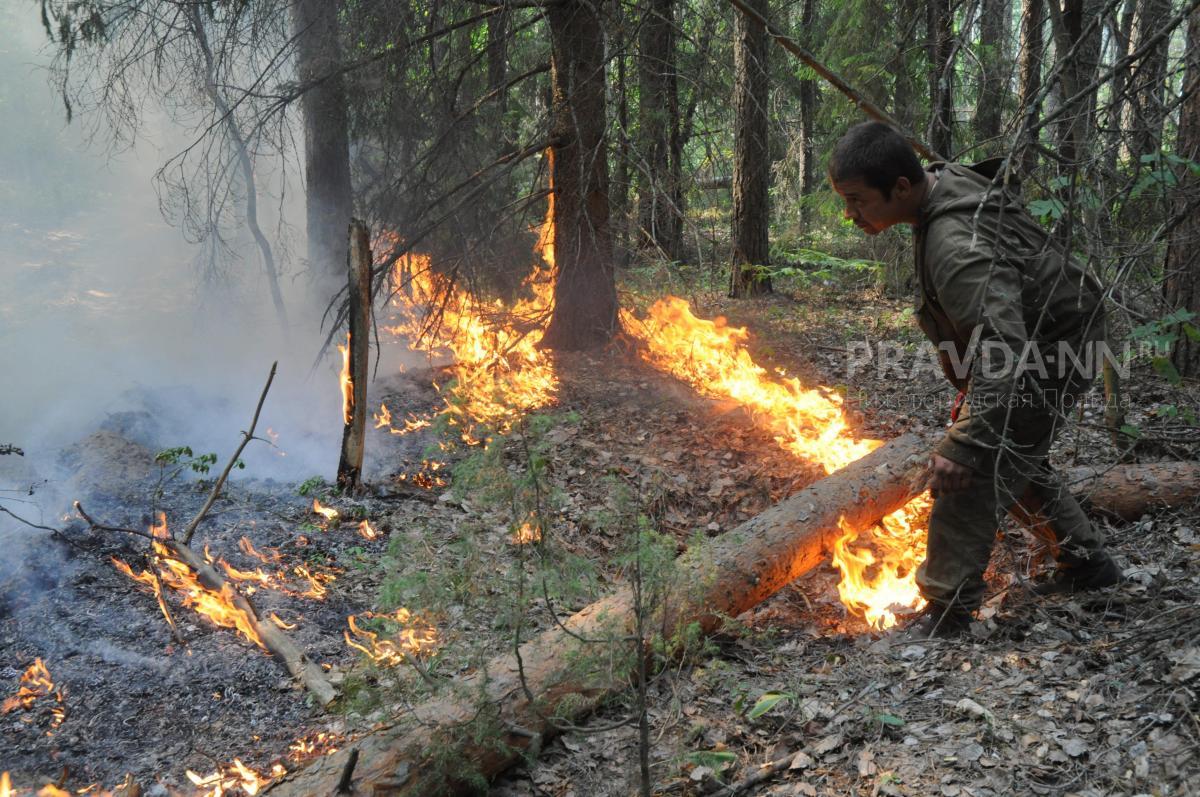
(354, 431)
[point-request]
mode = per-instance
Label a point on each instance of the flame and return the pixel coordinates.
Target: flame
(499, 373)
(324, 511)
(347, 384)
(383, 420)
(219, 607)
(367, 531)
(281, 623)
(808, 423)
(5, 785)
(36, 683)
(316, 582)
(235, 775)
(321, 743)
(528, 533)
(412, 639)
(426, 476)
(272, 554)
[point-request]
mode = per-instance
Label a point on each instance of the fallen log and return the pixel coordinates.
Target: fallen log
(1130, 491)
(455, 742)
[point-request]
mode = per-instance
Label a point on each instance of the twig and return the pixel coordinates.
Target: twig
(56, 533)
(8, 448)
(247, 436)
(166, 609)
(343, 786)
(95, 526)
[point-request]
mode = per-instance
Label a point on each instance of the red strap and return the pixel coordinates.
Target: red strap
(957, 405)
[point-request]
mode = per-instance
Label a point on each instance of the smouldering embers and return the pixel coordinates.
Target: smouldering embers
(711, 356)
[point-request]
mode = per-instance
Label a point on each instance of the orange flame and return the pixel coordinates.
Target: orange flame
(219, 607)
(247, 547)
(346, 383)
(527, 533)
(36, 684)
(499, 373)
(412, 639)
(321, 743)
(236, 775)
(383, 420)
(809, 423)
(324, 511)
(367, 531)
(281, 623)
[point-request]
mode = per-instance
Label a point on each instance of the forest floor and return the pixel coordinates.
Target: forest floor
(1086, 695)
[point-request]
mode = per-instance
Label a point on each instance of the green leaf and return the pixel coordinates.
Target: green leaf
(1166, 369)
(890, 719)
(1131, 431)
(716, 760)
(766, 703)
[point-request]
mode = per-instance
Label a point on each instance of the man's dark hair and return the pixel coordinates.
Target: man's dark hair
(876, 154)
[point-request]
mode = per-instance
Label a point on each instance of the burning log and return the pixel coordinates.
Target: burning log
(1129, 491)
(552, 676)
(354, 373)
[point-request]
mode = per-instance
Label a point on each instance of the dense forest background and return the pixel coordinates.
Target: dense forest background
(676, 137)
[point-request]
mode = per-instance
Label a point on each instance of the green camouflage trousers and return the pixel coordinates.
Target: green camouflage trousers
(1019, 480)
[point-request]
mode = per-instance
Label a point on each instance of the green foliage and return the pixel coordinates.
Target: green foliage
(310, 485)
(767, 702)
(1161, 335)
(185, 458)
(716, 760)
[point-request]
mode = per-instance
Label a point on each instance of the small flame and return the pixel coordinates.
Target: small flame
(324, 511)
(413, 638)
(383, 420)
(36, 684)
(426, 477)
(5, 785)
(234, 776)
(316, 582)
(281, 623)
(528, 533)
(270, 556)
(347, 384)
(367, 531)
(314, 745)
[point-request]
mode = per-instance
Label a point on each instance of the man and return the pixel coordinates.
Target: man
(1013, 319)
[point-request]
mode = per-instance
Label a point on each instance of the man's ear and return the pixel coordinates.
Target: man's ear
(902, 187)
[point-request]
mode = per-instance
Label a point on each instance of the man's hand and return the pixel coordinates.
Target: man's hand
(947, 476)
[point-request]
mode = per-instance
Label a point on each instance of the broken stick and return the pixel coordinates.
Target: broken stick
(353, 432)
(272, 638)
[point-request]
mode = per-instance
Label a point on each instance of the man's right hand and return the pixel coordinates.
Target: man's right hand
(947, 476)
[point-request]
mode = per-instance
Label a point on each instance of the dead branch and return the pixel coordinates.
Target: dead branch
(247, 436)
(273, 639)
(8, 448)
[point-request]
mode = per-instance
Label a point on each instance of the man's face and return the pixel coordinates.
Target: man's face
(867, 207)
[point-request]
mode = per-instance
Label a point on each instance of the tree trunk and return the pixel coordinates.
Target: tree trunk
(1182, 274)
(329, 202)
(904, 90)
(808, 114)
(1130, 491)
(489, 721)
(1120, 29)
(1070, 23)
(659, 222)
(995, 65)
(751, 157)
(358, 273)
(1033, 18)
(585, 294)
(1148, 82)
(940, 30)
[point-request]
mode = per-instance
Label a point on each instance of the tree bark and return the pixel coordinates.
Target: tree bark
(1148, 85)
(659, 196)
(568, 678)
(1033, 19)
(585, 294)
(751, 157)
(328, 198)
(1181, 283)
(808, 114)
(1130, 491)
(1069, 25)
(940, 32)
(358, 269)
(995, 65)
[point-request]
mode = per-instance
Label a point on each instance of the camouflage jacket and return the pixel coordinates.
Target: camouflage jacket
(992, 285)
